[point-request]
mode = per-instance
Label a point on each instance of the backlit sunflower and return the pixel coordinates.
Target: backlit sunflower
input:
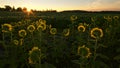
(73, 17)
(116, 17)
(22, 33)
(84, 51)
(34, 55)
(66, 32)
(93, 19)
(30, 60)
(81, 28)
(50, 26)
(31, 28)
(41, 25)
(40, 20)
(16, 42)
(21, 41)
(108, 18)
(96, 33)
(6, 27)
(53, 31)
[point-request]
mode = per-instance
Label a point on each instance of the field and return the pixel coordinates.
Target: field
(59, 40)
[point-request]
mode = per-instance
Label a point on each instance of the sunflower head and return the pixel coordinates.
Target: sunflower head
(66, 32)
(93, 19)
(16, 42)
(6, 27)
(30, 60)
(21, 41)
(40, 20)
(84, 51)
(53, 31)
(116, 17)
(34, 55)
(50, 26)
(22, 33)
(73, 17)
(31, 28)
(108, 18)
(96, 33)
(81, 28)
(41, 25)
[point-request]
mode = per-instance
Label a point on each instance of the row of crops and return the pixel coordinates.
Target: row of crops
(45, 43)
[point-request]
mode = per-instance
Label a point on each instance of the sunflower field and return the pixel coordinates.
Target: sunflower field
(73, 41)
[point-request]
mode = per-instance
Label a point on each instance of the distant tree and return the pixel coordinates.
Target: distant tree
(8, 8)
(24, 9)
(19, 9)
(13, 9)
(2, 9)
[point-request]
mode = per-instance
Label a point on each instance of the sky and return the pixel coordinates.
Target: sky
(60, 5)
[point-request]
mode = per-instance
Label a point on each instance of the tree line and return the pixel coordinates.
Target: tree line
(9, 8)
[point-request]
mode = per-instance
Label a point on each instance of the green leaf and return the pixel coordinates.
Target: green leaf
(47, 65)
(118, 50)
(103, 56)
(117, 57)
(102, 45)
(100, 64)
(76, 61)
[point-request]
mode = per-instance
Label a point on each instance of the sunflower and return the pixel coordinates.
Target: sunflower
(30, 61)
(50, 26)
(116, 17)
(53, 31)
(81, 28)
(37, 23)
(22, 33)
(41, 25)
(108, 18)
(93, 19)
(94, 32)
(73, 17)
(84, 51)
(34, 55)
(6, 27)
(40, 20)
(31, 28)
(66, 32)
(16, 42)
(21, 41)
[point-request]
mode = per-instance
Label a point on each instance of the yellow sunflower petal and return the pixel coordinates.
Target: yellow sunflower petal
(22, 33)
(30, 54)
(81, 28)
(73, 17)
(53, 31)
(31, 28)
(66, 32)
(16, 42)
(6, 27)
(96, 29)
(81, 51)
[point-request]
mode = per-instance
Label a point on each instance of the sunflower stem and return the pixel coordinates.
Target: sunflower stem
(95, 50)
(6, 47)
(11, 35)
(40, 47)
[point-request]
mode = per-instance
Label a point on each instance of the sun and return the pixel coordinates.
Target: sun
(28, 10)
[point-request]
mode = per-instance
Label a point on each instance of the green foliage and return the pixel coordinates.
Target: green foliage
(75, 48)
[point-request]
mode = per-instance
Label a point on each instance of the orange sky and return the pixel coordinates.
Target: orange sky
(60, 5)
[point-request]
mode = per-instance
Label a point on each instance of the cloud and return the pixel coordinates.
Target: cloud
(105, 5)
